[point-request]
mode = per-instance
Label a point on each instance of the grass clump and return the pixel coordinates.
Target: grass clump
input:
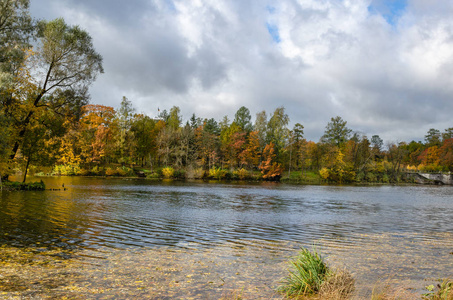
(310, 276)
(444, 291)
(307, 274)
(386, 291)
(339, 285)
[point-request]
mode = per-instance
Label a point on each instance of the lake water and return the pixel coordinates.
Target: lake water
(405, 232)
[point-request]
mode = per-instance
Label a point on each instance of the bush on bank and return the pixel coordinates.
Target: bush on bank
(20, 186)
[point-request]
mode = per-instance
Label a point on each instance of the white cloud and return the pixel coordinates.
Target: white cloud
(333, 58)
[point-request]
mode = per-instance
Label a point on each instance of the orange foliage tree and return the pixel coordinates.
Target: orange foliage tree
(98, 128)
(429, 159)
(270, 169)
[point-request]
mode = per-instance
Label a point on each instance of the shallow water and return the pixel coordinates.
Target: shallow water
(375, 231)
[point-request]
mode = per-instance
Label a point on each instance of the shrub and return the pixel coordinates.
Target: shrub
(110, 172)
(153, 175)
(360, 177)
(324, 173)
(168, 172)
(217, 173)
(371, 177)
(198, 173)
(121, 171)
(66, 170)
(308, 273)
(429, 168)
(180, 174)
(126, 171)
(411, 168)
(32, 186)
(97, 171)
(241, 174)
(84, 172)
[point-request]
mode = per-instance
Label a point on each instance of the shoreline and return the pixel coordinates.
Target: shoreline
(213, 181)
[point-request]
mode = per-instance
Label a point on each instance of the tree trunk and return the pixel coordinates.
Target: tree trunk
(26, 169)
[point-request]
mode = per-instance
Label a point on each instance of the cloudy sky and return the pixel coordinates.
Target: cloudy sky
(384, 66)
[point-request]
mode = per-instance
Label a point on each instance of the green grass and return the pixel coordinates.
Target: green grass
(308, 272)
(306, 177)
(443, 291)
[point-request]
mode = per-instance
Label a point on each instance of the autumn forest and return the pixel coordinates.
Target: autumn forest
(48, 126)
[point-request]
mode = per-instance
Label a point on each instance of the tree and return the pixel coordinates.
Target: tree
(207, 143)
(211, 126)
(224, 126)
(446, 154)
(227, 141)
(270, 169)
(395, 156)
(261, 127)
(430, 158)
(167, 146)
(144, 134)
(61, 71)
(16, 30)
(448, 134)
(414, 149)
(433, 137)
(242, 119)
(277, 132)
(339, 171)
(358, 154)
(252, 152)
(297, 143)
(336, 132)
(124, 115)
(195, 122)
(96, 133)
(163, 115)
(5, 135)
(313, 152)
(174, 119)
(187, 143)
(42, 141)
(377, 143)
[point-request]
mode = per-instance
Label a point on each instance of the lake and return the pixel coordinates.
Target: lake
(131, 237)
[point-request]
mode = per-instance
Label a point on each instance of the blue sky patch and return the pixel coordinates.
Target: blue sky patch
(391, 10)
(270, 9)
(273, 31)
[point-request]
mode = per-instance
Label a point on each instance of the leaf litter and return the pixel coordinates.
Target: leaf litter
(247, 269)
